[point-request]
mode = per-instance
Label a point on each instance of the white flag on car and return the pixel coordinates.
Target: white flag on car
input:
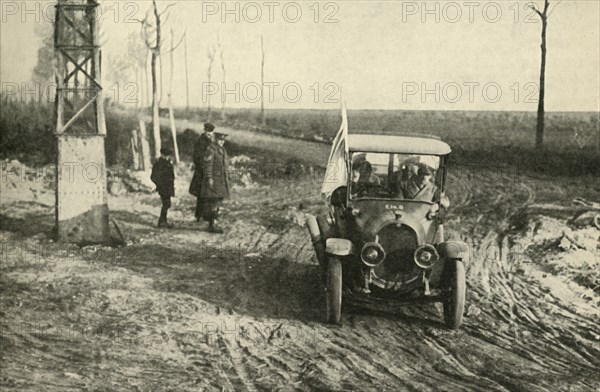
(336, 174)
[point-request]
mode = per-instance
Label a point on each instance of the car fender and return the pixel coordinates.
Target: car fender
(454, 250)
(339, 246)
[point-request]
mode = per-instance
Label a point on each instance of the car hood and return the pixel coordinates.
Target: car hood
(373, 215)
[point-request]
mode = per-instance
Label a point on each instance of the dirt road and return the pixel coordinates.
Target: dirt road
(306, 151)
(187, 310)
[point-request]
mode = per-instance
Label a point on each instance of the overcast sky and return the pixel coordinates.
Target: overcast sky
(479, 55)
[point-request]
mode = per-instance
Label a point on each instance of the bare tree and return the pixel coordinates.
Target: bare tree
(151, 33)
(43, 72)
(170, 103)
(210, 53)
(220, 50)
(544, 14)
(160, 83)
(139, 54)
(118, 68)
(136, 52)
(262, 82)
(146, 80)
(187, 80)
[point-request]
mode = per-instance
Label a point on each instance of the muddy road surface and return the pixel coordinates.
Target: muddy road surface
(185, 310)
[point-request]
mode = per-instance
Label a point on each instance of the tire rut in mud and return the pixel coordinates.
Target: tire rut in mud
(258, 288)
(517, 336)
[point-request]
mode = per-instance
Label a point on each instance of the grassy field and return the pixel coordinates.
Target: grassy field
(576, 129)
(572, 140)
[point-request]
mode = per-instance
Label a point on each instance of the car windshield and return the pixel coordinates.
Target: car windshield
(397, 176)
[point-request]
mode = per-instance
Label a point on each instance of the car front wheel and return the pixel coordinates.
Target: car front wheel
(454, 306)
(334, 290)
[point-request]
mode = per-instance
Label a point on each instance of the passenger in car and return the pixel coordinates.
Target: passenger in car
(401, 177)
(420, 186)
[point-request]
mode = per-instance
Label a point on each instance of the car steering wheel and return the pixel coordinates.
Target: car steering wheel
(377, 189)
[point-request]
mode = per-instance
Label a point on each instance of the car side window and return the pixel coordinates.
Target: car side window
(394, 175)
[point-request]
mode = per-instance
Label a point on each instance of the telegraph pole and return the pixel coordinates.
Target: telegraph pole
(81, 182)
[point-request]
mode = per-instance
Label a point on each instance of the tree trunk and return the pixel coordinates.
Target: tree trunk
(137, 83)
(160, 85)
(155, 98)
(223, 96)
(539, 134)
(187, 81)
(223, 99)
(144, 147)
(155, 116)
(209, 74)
(173, 131)
(146, 86)
(171, 116)
(208, 115)
(262, 83)
(135, 149)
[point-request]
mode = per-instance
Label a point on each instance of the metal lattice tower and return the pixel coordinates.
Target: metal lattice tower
(81, 183)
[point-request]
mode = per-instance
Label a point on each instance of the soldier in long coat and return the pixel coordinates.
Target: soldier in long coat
(199, 151)
(215, 186)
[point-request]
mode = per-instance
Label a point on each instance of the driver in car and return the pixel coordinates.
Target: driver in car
(363, 179)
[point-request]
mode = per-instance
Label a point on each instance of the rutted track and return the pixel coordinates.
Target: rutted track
(243, 311)
(517, 341)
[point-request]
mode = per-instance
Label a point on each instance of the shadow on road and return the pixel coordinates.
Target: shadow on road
(258, 287)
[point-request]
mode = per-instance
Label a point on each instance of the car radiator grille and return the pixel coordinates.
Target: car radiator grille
(399, 243)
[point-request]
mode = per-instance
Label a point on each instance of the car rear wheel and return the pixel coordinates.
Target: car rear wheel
(454, 306)
(334, 290)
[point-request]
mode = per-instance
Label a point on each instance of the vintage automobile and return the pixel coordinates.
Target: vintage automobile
(383, 240)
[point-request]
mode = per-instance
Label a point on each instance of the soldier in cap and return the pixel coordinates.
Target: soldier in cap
(420, 186)
(199, 152)
(215, 185)
(163, 176)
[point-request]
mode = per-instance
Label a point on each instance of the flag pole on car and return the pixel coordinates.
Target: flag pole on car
(336, 174)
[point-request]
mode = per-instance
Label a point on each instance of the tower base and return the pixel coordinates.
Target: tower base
(81, 190)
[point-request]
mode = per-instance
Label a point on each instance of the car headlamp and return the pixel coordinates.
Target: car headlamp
(372, 254)
(426, 256)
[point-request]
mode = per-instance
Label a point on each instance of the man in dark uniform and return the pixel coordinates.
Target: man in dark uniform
(420, 186)
(400, 178)
(163, 176)
(199, 150)
(215, 186)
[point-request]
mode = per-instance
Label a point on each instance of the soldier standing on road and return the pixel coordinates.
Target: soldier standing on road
(199, 152)
(215, 185)
(163, 176)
